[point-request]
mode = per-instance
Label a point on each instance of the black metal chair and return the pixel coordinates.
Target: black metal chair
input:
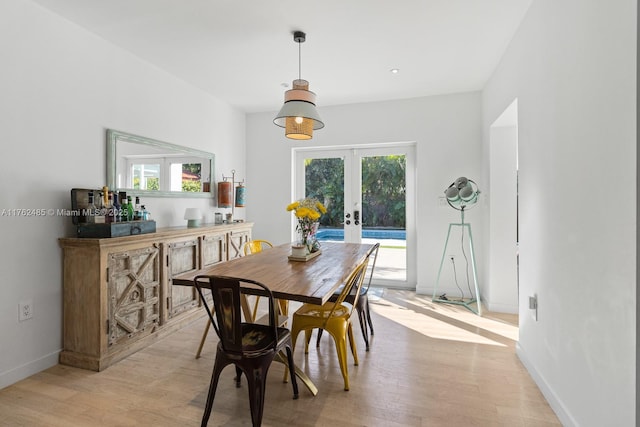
(250, 347)
(250, 247)
(362, 302)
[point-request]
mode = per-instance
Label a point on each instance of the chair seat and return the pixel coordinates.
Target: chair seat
(323, 311)
(258, 339)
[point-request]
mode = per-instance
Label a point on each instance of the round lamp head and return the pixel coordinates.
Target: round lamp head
(452, 193)
(461, 182)
(466, 192)
(462, 193)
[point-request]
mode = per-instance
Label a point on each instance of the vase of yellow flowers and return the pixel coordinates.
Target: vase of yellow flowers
(308, 212)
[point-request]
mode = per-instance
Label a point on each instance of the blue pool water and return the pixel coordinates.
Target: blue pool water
(338, 234)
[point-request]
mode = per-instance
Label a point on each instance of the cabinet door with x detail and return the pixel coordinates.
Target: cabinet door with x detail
(237, 239)
(133, 293)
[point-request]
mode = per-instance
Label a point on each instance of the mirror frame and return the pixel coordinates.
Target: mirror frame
(114, 136)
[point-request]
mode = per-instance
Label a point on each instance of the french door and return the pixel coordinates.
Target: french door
(369, 196)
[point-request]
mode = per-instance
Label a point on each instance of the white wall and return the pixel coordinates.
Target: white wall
(572, 67)
(501, 289)
(447, 133)
(62, 87)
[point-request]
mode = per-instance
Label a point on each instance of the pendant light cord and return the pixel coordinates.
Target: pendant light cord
(299, 61)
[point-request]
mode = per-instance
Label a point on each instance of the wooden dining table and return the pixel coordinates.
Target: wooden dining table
(312, 281)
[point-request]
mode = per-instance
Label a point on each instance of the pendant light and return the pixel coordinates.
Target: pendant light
(298, 116)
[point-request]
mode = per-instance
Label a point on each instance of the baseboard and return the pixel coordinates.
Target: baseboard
(556, 404)
(24, 371)
(452, 292)
(500, 308)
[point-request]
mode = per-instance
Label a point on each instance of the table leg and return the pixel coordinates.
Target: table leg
(299, 373)
(284, 306)
(203, 339)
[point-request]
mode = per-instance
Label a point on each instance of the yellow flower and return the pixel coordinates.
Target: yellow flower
(307, 209)
(308, 212)
(302, 212)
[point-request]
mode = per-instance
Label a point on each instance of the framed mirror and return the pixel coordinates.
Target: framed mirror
(152, 168)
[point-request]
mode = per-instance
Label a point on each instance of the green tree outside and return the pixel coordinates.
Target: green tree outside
(383, 190)
(325, 182)
(192, 185)
(152, 183)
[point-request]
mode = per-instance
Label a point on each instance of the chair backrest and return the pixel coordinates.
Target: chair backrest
(373, 251)
(351, 286)
(254, 246)
(227, 322)
(370, 267)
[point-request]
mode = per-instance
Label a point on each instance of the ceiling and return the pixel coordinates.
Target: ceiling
(243, 51)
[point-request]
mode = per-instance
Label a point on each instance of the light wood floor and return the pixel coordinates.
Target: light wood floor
(429, 365)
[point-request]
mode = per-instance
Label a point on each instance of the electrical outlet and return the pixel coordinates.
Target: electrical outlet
(25, 310)
(533, 306)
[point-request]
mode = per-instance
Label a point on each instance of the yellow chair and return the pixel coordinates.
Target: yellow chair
(362, 305)
(253, 246)
(335, 318)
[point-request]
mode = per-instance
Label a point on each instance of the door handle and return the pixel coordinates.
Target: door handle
(356, 217)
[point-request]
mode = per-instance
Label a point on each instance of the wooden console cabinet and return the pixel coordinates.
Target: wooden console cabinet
(118, 293)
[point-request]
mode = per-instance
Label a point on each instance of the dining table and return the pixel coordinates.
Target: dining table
(312, 281)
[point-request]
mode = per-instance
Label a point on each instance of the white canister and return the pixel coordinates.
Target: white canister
(299, 251)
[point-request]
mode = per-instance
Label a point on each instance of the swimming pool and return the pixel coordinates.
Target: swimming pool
(367, 233)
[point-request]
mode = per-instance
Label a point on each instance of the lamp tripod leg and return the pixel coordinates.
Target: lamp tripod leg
(441, 298)
(434, 297)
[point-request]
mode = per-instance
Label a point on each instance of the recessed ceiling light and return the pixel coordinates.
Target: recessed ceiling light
(394, 70)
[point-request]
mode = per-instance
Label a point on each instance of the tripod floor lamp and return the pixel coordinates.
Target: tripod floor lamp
(461, 195)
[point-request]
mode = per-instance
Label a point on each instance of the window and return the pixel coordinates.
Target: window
(166, 174)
